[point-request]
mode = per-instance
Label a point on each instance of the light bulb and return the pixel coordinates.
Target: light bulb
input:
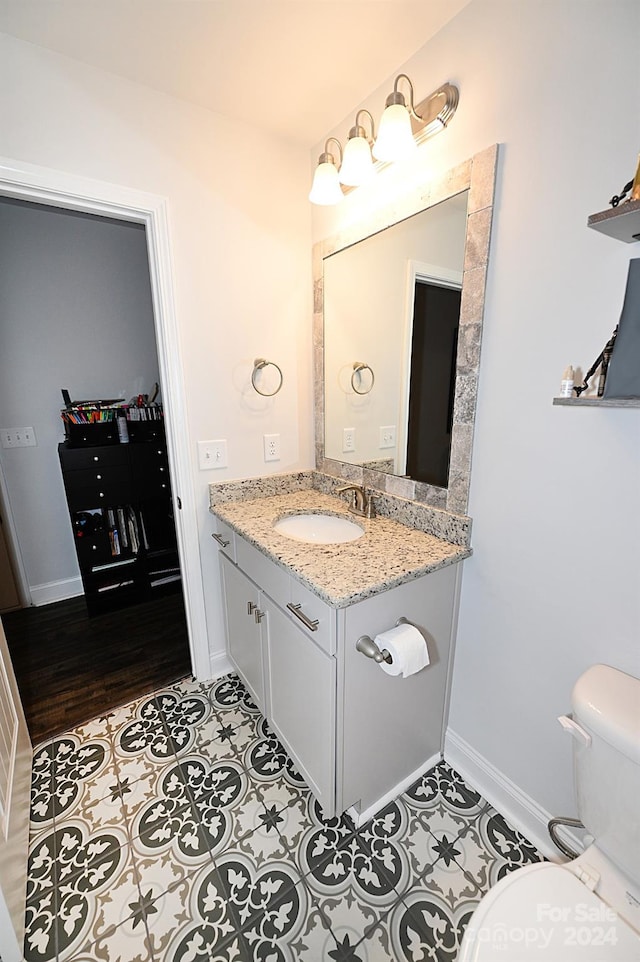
(395, 139)
(357, 165)
(325, 189)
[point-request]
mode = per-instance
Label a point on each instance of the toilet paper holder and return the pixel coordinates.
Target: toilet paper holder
(368, 647)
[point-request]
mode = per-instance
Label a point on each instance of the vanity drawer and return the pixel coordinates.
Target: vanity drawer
(272, 579)
(305, 606)
(225, 538)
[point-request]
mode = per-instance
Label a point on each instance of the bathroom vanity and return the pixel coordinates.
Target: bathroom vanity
(294, 612)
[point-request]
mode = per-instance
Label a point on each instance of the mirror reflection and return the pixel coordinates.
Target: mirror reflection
(391, 316)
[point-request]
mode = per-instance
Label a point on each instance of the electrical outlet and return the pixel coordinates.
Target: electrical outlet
(388, 436)
(271, 444)
(212, 454)
(348, 439)
(8, 438)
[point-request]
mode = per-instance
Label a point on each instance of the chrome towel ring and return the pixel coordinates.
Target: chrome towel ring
(358, 368)
(258, 365)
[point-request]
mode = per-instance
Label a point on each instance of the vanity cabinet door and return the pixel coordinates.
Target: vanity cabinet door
(244, 634)
(392, 726)
(301, 685)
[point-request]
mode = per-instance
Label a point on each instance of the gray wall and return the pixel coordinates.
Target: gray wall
(76, 313)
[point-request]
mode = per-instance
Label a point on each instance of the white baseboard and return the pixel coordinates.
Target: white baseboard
(220, 664)
(529, 818)
(56, 591)
(359, 818)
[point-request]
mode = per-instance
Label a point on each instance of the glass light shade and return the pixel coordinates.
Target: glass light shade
(357, 164)
(395, 138)
(325, 189)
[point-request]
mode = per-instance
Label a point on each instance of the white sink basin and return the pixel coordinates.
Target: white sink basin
(318, 528)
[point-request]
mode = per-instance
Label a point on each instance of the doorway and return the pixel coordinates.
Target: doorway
(434, 347)
(149, 213)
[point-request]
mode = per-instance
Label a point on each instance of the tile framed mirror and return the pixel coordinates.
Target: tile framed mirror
(398, 314)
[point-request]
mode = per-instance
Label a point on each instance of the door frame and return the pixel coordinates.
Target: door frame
(13, 546)
(60, 189)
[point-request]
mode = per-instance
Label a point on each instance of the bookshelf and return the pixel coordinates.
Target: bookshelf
(121, 512)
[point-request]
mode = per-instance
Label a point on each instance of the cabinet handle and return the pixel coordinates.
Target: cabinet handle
(258, 615)
(300, 615)
(251, 606)
(220, 540)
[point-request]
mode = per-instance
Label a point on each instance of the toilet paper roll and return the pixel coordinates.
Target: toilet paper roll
(407, 647)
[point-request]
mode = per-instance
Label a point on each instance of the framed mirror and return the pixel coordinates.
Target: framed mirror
(398, 310)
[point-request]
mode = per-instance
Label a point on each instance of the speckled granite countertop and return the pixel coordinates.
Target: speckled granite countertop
(388, 554)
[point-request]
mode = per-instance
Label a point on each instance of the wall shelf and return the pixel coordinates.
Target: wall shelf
(621, 222)
(598, 402)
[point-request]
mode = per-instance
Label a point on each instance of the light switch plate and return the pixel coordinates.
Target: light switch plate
(212, 454)
(388, 436)
(18, 438)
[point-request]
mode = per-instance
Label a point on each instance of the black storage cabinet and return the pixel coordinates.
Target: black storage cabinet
(121, 512)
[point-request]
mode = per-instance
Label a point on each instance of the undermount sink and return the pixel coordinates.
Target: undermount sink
(318, 528)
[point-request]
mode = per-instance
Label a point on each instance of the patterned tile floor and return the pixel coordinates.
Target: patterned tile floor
(176, 830)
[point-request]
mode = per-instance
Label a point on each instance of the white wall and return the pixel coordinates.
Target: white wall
(240, 244)
(77, 314)
(553, 584)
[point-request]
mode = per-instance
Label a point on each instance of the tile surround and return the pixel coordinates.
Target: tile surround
(183, 832)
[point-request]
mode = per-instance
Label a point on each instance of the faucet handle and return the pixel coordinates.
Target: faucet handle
(369, 505)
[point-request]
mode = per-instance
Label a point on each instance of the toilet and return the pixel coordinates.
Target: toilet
(586, 910)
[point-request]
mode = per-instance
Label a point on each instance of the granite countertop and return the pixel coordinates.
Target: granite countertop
(388, 554)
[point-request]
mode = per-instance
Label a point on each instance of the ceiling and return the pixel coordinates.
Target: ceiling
(292, 67)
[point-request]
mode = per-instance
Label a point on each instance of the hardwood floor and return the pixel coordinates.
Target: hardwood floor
(71, 668)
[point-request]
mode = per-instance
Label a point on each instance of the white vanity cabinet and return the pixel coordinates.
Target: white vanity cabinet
(357, 734)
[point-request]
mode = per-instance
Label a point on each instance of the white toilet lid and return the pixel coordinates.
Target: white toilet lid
(544, 912)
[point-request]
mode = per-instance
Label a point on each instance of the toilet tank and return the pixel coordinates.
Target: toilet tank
(606, 704)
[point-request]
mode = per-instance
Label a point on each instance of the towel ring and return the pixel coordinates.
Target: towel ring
(258, 364)
(358, 368)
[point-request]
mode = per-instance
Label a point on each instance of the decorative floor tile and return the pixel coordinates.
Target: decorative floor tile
(120, 717)
(492, 848)
(177, 829)
(274, 933)
(127, 943)
(421, 927)
(193, 921)
(442, 788)
(97, 728)
(182, 715)
(78, 770)
(229, 693)
(443, 832)
(217, 739)
(42, 788)
(40, 940)
(170, 825)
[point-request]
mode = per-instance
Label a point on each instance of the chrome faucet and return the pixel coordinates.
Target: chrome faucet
(362, 501)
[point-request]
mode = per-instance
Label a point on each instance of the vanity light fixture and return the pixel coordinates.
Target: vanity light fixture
(357, 164)
(402, 129)
(325, 189)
